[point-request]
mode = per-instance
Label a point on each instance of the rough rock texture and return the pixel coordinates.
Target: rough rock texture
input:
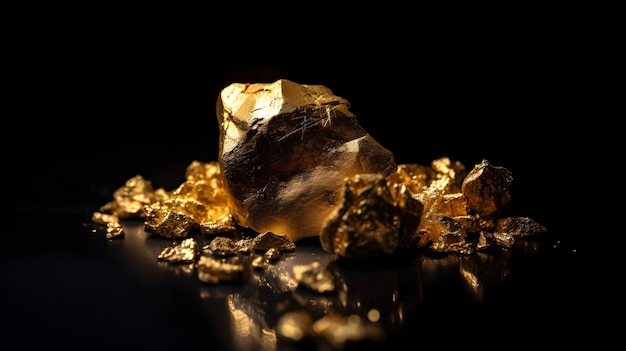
(285, 150)
(372, 221)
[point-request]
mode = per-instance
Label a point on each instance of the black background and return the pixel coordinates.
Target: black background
(100, 98)
(103, 101)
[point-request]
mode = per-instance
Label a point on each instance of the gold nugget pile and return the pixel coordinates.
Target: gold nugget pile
(295, 163)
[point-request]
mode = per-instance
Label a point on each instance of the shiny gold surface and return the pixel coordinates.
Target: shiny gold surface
(222, 246)
(198, 203)
(183, 251)
(285, 149)
(369, 222)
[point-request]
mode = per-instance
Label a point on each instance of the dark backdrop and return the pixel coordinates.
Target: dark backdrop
(106, 102)
(104, 95)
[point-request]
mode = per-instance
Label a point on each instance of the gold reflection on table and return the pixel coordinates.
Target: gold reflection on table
(270, 305)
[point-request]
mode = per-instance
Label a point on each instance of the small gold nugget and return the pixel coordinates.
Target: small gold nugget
(455, 207)
(115, 230)
(198, 203)
(131, 199)
(184, 251)
(222, 246)
(370, 221)
(487, 190)
(269, 240)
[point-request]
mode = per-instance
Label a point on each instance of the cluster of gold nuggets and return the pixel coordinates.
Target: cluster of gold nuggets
(381, 209)
(437, 208)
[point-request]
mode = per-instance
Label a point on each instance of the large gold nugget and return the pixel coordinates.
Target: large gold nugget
(285, 150)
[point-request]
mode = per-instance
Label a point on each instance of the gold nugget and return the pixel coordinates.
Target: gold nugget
(184, 251)
(369, 221)
(285, 149)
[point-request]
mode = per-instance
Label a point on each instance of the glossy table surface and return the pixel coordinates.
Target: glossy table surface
(66, 284)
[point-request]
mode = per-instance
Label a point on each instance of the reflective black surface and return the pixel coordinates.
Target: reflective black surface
(125, 109)
(74, 287)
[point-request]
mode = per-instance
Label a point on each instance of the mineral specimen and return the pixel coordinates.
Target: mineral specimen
(285, 150)
(103, 218)
(269, 240)
(370, 221)
(438, 207)
(487, 190)
(162, 221)
(198, 203)
(131, 199)
(183, 251)
(222, 246)
(114, 229)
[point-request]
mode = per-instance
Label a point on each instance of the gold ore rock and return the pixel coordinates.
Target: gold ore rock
(285, 152)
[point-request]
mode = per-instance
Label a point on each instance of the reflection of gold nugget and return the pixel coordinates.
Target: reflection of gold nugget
(314, 277)
(213, 271)
(337, 330)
